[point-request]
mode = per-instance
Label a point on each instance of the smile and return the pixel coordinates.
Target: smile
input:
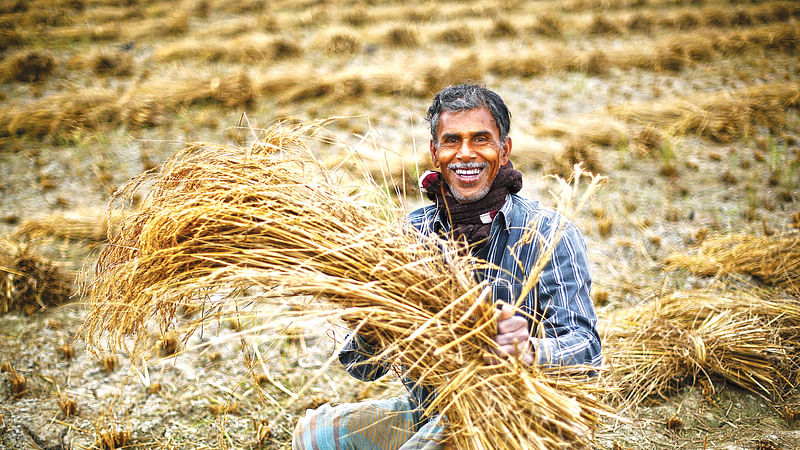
(468, 173)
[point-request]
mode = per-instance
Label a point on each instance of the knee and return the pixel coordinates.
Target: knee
(303, 430)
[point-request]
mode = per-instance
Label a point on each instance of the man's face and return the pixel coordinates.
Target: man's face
(469, 153)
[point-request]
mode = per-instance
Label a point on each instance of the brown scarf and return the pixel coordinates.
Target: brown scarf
(471, 221)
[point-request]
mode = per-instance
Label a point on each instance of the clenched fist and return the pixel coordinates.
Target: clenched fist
(512, 337)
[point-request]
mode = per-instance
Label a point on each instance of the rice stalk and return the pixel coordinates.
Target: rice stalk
(462, 67)
(270, 219)
(173, 25)
(548, 24)
(340, 87)
(772, 259)
(9, 39)
(403, 35)
(675, 339)
(574, 151)
(458, 34)
(106, 14)
(231, 91)
(338, 41)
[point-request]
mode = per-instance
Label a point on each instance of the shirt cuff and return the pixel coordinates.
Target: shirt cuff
(542, 351)
(363, 346)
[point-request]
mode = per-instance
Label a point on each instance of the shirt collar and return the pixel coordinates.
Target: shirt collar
(503, 216)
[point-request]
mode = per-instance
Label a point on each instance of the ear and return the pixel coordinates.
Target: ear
(506, 150)
(434, 157)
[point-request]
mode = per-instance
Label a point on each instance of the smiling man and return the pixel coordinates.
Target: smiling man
(475, 200)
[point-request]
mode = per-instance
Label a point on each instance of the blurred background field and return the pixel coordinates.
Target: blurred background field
(690, 108)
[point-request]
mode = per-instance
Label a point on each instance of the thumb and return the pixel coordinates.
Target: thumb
(506, 313)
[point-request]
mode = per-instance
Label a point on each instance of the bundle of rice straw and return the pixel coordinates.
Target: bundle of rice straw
(597, 130)
(722, 116)
(675, 339)
(28, 281)
(772, 259)
(271, 218)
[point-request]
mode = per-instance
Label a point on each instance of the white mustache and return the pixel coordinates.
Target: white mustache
(471, 165)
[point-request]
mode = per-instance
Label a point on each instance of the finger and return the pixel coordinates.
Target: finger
(506, 312)
(511, 325)
(507, 350)
(516, 349)
(508, 338)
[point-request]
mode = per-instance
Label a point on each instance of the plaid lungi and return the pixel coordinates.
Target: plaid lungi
(394, 424)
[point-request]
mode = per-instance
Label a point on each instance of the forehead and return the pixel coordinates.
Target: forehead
(469, 121)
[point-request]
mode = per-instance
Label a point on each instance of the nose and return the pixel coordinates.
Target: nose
(465, 152)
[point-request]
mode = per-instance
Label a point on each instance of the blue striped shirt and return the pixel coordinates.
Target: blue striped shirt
(562, 317)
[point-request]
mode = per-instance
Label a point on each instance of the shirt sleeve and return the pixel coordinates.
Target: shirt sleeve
(567, 333)
(354, 356)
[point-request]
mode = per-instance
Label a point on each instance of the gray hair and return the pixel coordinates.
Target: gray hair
(465, 97)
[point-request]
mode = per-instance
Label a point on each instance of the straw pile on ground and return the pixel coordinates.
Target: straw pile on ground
(596, 130)
(61, 113)
(772, 259)
(722, 116)
(28, 67)
(82, 225)
(269, 218)
(676, 339)
(28, 281)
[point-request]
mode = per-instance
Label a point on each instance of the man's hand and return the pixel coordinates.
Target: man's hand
(512, 337)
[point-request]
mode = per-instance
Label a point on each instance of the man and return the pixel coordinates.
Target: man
(475, 200)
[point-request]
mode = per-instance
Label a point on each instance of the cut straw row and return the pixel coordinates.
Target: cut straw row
(721, 116)
(772, 259)
(143, 105)
(147, 104)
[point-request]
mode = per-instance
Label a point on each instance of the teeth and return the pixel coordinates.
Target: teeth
(468, 172)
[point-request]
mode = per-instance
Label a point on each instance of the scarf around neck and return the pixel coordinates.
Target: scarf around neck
(471, 221)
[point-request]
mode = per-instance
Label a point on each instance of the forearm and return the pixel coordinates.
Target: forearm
(567, 333)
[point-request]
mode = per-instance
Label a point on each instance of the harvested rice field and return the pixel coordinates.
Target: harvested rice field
(689, 109)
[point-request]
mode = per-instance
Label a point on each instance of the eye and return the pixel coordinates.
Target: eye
(450, 140)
